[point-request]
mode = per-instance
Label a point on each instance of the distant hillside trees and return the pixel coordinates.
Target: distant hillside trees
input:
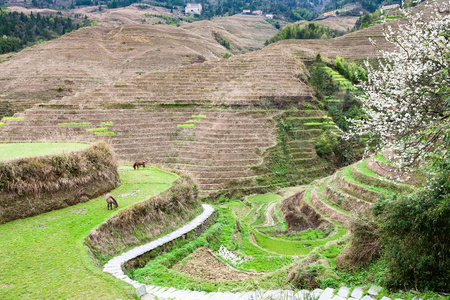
(18, 30)
(300, 31)
(370, 5)
(293, 10)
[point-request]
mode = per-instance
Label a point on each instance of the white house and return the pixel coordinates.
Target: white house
(389, 7)
(269, 16)
(193, 8)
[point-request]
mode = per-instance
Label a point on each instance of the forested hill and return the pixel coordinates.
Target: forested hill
(17, 30)
(292, 10)
(300, 31)
(370, 5)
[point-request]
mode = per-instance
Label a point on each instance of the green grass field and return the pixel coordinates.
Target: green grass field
(43, 257)
(19, 150)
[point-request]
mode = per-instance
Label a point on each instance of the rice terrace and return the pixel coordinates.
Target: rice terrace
(264, 150)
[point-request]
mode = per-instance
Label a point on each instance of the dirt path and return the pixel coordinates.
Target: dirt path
(269, 214)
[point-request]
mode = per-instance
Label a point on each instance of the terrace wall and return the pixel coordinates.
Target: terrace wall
(145, 220)
(32, 186)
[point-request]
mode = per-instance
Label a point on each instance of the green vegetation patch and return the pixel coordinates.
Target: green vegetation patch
(286, 247)
(301, 31)
(342, 82)
(264, 198)
(10, 151)
(198, 116)
(105, 133)
(97, 129)
(107, 123)
(74, 124)
(2, 124)
(50, 247)
(185, 125)
(13, 118)
(379, 157)
(193, 121)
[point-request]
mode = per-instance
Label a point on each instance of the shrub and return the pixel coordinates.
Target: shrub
(227, 55)
(364, 243)
(321, 80)
(350, 70)
(326, 143)
(414, 235)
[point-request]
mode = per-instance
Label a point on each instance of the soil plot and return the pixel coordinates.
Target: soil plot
(204, 264)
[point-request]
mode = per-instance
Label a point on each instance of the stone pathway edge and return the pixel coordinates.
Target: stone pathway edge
(114, 266)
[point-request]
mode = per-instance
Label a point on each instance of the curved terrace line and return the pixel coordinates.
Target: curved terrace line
(114, 266)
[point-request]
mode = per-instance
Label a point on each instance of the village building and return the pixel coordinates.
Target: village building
(193, 8)
(329, 14)
(246, 11)
(257, 12)
(389, 7)
(269, 16)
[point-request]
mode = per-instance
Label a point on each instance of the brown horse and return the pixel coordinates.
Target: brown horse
(110, 200)
(139, 163)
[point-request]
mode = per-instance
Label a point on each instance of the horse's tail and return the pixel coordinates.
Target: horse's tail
(114, 201)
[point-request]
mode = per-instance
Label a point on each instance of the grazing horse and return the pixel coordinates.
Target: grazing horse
(110, 200)
(139, 163)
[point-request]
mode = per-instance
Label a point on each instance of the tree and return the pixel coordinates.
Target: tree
(407, 96)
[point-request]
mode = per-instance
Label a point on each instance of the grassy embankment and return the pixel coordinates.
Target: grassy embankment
(21, 150)
(43, 257)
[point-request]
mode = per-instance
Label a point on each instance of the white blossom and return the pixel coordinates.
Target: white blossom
(406, 96)
(230, 256)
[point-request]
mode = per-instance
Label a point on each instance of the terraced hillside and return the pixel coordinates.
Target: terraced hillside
(272, 241)
(91, 57)
(216, 145)
(219, 120)
(248, 80)
(214, 119)
(245, 32)
(355, 188)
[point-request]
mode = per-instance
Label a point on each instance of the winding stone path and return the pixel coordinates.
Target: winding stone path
(114, 266)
